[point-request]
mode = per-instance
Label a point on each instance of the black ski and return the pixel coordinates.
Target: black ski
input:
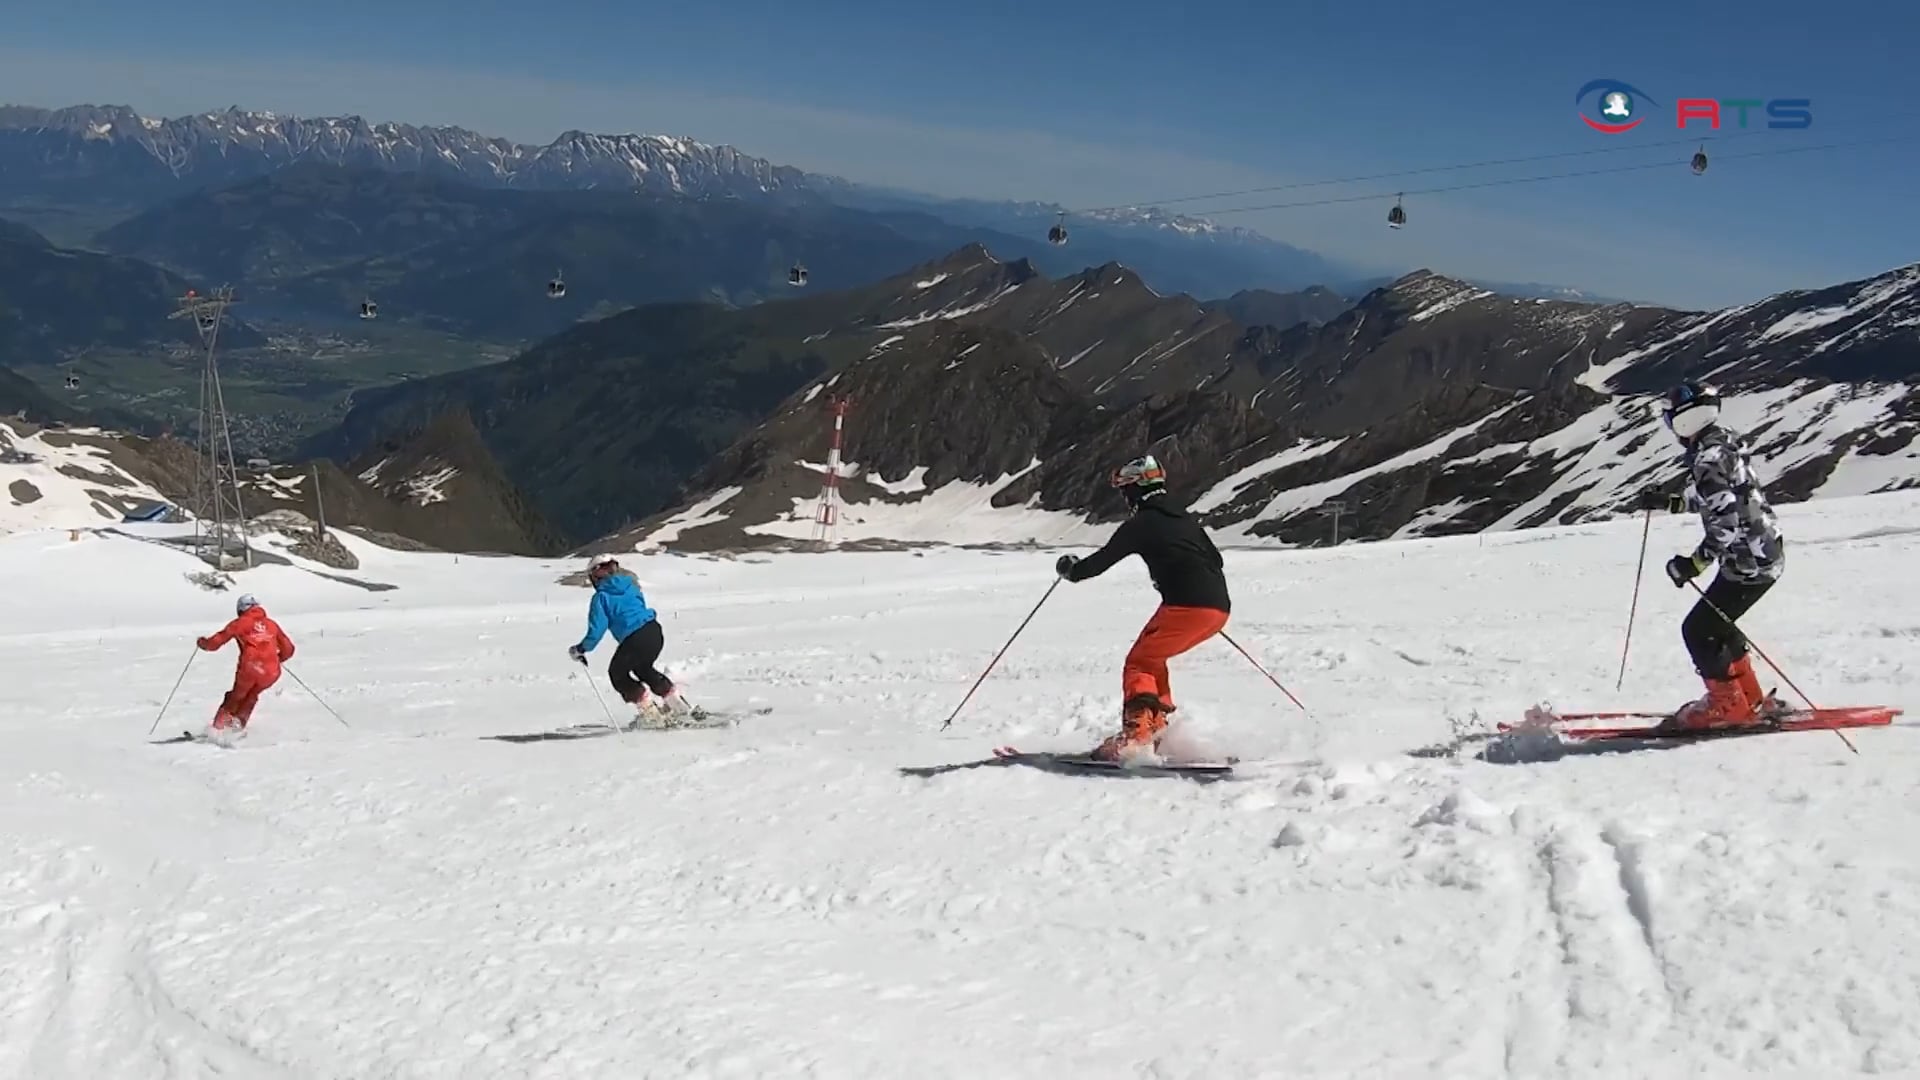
(1089, 763)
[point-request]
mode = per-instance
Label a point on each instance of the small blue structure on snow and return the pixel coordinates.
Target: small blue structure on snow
(155, 511)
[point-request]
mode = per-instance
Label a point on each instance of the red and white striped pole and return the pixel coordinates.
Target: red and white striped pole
(826, 516)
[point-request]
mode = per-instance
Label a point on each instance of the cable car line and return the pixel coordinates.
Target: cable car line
(1611, 148)
(1642, 167)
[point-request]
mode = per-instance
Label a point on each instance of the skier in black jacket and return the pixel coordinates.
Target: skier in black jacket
(1186, 568)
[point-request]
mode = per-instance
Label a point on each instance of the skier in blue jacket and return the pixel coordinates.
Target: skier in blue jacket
(618, 606)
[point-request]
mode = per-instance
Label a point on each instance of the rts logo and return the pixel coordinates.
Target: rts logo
(1617, 107)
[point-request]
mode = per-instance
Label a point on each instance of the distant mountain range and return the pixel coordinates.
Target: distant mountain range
(54, 159)
(1428, 406)
(110, 152)
(675, 391)
(312, 241)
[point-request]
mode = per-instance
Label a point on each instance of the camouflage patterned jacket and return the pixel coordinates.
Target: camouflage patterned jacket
(1742, 533)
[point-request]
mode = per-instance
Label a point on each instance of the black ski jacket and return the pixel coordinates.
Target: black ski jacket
(1180, 556)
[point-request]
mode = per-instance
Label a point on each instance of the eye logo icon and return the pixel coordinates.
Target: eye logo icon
(1616, 105)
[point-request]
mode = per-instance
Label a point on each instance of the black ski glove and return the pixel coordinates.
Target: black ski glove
(1684, 568)
(1655, 499)
(1064, 565)
(578, 657)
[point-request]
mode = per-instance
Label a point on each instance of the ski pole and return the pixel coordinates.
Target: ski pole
(1002, 652)
(591, 685)
(1263, 671)
(1762, 654)
(317, 697)
(175, 690)
(1639, 572)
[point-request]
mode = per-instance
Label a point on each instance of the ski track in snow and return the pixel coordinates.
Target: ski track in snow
(411, 898)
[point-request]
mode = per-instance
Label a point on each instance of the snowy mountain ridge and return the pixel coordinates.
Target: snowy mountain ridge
(64, 479)
(113, 153)
(90, 142)
(216, 148)
(1431, 407)
(437, 487)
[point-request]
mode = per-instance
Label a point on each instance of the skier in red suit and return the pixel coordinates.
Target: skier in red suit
(263, 648)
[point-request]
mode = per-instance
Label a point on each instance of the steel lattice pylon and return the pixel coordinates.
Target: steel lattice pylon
(219, 524)
(826, 512)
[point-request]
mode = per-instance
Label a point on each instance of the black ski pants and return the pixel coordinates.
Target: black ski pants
(633, 662)
(1713, 642)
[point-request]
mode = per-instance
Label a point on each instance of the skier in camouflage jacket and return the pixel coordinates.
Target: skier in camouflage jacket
(1743, 536)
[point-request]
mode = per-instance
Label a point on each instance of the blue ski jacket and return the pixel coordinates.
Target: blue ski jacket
(617, 605)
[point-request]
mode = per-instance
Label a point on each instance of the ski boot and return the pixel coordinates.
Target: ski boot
(1733, 702)
(1143, 718)
(676, 711)
(226, 729)
(647, 713)
(1767, 706)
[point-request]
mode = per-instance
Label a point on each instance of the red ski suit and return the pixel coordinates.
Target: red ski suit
(263, 648)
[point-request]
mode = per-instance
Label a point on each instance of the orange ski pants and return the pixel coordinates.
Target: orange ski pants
(1171, 631)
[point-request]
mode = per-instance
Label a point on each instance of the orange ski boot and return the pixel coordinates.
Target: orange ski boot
(1768, 708)
(1144, 718)
(1726, 704)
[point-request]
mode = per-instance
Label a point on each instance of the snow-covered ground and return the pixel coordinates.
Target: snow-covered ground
(61, 480)
(411, 897)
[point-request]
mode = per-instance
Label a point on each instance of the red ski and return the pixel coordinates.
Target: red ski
(1581, 727)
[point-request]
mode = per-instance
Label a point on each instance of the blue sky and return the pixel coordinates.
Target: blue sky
(1090, 104)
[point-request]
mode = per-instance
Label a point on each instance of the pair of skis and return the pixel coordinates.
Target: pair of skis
(1574, 727)
(1661, 726)
(204, 738)
(700, 718)
(1087, 762)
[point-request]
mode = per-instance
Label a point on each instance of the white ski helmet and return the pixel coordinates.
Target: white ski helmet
(245, 604)
(600, 560)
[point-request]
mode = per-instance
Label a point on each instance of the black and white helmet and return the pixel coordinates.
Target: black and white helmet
(1139, 478)
(1690, 409)
(1143, 472)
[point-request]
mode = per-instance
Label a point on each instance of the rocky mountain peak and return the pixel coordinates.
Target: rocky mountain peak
(1431, 407)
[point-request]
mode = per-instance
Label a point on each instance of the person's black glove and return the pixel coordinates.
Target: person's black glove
(1064, 565)
(578, 657)
(1684, 568)
(1654, 499)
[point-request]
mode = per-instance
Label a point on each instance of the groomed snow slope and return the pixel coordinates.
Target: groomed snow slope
(410, 898)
